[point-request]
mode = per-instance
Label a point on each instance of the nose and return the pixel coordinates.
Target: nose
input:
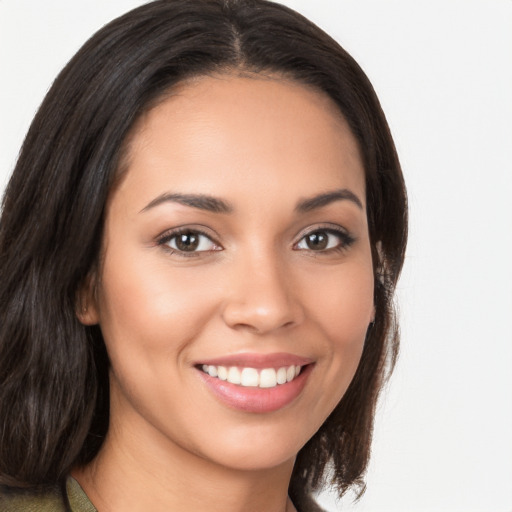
(262, 297)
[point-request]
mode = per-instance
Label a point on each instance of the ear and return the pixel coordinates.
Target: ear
(86, 302)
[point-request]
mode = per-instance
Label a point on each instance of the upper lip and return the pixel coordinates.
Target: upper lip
(258, 361)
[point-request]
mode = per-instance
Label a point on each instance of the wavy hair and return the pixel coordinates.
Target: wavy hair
(54, 400)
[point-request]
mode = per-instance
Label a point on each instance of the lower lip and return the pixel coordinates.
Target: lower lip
(257, 400)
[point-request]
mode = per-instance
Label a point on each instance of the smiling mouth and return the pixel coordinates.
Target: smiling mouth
(251, 377)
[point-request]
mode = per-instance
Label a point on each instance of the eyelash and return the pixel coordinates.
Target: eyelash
(345, 241)
(167, 237)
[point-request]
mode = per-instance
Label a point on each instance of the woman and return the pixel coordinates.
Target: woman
(199, 248)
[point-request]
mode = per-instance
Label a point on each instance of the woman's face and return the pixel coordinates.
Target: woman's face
(236, 254)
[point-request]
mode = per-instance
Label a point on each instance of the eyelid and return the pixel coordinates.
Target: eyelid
(166, 236)
(347, 239)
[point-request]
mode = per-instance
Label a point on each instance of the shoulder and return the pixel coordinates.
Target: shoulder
(51, 500)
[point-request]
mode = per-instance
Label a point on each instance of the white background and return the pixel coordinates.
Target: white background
(443, 71)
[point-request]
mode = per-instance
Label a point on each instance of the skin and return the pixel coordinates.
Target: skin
(262, 145)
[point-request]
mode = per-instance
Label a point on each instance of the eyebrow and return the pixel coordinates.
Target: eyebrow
(320, 200)
(216, 205)
(200, 201)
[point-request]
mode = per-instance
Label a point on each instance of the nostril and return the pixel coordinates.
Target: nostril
(260, 319)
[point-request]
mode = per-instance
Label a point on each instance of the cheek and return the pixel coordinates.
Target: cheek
(149, 322)
(345, 306)
(148, 308)
(342, 311)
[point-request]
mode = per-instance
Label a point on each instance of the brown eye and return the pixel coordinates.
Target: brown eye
(325, 240)
(317, 241)
(189, 242)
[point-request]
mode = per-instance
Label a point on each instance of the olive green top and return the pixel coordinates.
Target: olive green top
(53, 500)
(50, 501)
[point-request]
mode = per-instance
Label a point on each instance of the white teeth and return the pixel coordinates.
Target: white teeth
(251, 377)
(268, 378)
(222, 372)
(234, 375)
(281, 376)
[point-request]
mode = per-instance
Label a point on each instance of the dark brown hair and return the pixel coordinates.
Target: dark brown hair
(53, 370)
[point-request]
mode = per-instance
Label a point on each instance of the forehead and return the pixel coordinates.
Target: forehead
(229, 134)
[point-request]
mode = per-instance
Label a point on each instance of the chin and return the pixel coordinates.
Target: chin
(260, 447)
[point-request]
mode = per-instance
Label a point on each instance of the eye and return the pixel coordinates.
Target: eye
(324, 240)
(189, 241)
